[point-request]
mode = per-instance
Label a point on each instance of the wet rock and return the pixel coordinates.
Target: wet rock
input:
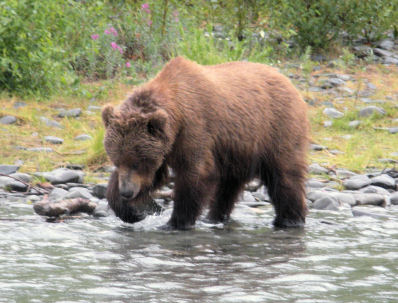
(253, 185)
(315, 168)
(386, 44)
(326, 203)
(8, 169)
(371, 189)
(356, 182)
(71, 113)
(102, 210)
(360, 213)
(78, 192)
(62, 176)
(354, 124)
(99, 190)
(22, 176)
(384, 181)
(260, 196)
(394, 198)
(12, 184)
(247, 197)
(370, 110)
(48, 208)
(8, 120)
(50, 123)
(54, 140)
(83, 137)
(370, 199)
(57, 194)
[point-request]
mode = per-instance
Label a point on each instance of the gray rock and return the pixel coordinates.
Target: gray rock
(361, 213)
(247, 196)
(19, 104)
(9, 183)
(344, 173)
(387, 160)
(371, 189)
(331, 83)
(328, 123)
(8, 169)
(370, 199)
(40, 149)
(363, 51)
(384, 181)
(317, 194)
(382, 53)
(393, 130)
(326, 203)
(344, 198)
(78, 192)
(333, 113)
(54, 140)
(22, 176)
(57, 194)
(83, 137)
(62, 176)
(354, 124)
(356, 182)
(71, 113)
(394, 198)
(312, 183)
(94, 108)
(8, 120)
(317, 147)
(390, 60)
(315, 168)
(99, 190)
(386, 44)
(371, 86)
(50, 123)
(370, 110)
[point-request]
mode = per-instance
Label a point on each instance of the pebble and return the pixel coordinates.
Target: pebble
(71, 113)
(54, 140)
(50, 123)
(332, 113)
(384, 181)
(8, 169)
(370, 110)
(8, 120)
(83, 137)
(356, 182)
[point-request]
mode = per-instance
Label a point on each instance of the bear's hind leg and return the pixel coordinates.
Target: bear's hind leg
(287, 192)
(226, 195)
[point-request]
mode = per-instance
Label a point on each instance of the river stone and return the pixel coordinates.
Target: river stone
(384, 181)
(22, 176)
(382, 53)
(317, 147)
(57, 194)
(354, 124)
(371, 189)
(357, 182)
(332, 113)
(8, 169)
(390, 60)
(94, 108)
(71, 113)
(312, 183)
(326, 203)
(370, 110)
(9, 183)
(394, 198)
(247, 196)
(54, 140)
(370, 199)
(83, 137)
(315, 168)
(102, 210)
(62, 176)
(99, 190)
(393, 130)
(50, 123)
(8, 120)
(360, 213)
(344, 198)
(344, 173)
(386, 44)
(78, 192)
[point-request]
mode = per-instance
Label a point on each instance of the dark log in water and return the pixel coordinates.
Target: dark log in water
(64, 207)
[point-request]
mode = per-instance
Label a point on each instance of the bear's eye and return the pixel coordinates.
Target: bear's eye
(134, 166)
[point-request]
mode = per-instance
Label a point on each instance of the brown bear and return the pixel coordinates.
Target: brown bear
(217, 127)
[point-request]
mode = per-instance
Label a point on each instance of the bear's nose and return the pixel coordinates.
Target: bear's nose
(128, 194)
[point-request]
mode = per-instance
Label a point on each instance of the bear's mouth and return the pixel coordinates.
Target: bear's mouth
(138, 208)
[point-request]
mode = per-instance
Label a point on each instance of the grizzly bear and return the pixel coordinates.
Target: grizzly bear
(217, 127)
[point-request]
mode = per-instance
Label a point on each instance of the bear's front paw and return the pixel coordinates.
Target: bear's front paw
(288, 223)
(175, 224)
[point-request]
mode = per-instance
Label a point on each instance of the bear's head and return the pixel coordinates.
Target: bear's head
(136, 141)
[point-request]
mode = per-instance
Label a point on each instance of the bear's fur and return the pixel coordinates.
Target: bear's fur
(217, 127)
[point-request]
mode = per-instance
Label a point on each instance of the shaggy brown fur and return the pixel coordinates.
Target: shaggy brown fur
(217, 127)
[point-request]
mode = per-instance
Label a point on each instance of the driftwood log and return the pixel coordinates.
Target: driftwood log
(49, 208)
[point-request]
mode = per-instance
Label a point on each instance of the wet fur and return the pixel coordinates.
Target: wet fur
(225, 124)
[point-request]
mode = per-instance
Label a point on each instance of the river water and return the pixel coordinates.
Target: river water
(336, 258)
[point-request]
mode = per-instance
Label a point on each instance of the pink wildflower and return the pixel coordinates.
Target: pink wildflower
(119, 49)
(107, 32)
(113, 31)
(175, 14)
(149, 22)
(114, 45)
(128, 65)
(94, 36)
(145, 8)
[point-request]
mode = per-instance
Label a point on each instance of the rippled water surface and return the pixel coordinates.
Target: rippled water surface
(336, 258)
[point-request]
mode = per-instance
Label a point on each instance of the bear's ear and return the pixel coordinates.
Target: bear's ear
(107, 114)
(157, 123)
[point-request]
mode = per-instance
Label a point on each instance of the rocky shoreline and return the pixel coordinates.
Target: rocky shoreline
(331, 190)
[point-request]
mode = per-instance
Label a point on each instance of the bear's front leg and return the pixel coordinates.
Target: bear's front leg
(190, 195)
